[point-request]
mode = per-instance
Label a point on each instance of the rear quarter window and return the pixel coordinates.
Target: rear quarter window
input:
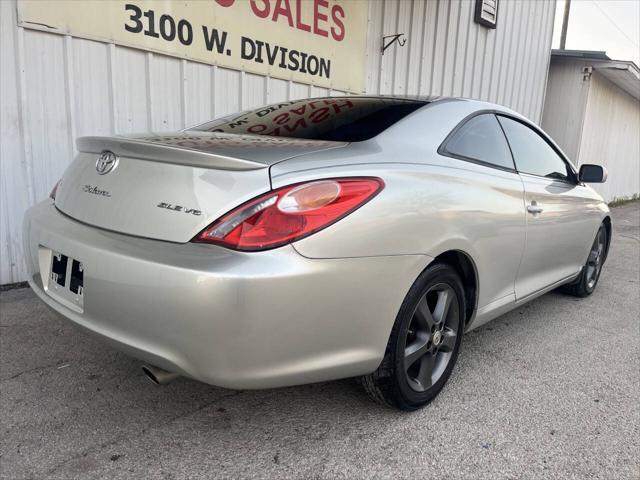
(480, 139)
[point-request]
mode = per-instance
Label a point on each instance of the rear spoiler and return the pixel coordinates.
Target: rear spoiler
(158, 152)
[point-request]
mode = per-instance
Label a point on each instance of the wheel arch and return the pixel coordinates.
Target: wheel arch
(464, 265)
(608, 226)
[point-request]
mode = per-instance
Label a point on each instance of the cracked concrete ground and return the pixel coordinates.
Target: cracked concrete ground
(547, 391)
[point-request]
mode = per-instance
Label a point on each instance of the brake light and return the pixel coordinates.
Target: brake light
(52, 195)
(290, 213)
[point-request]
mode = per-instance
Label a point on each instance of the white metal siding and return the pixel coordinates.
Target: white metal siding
(56, 88)
(448, 54)
(594, 121)
(611, 137)
(565, 104)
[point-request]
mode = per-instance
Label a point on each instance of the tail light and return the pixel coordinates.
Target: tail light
(290, 213)
(52, 195)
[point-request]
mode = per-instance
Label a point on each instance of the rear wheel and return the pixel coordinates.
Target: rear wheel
(588, 279)
(424, 342)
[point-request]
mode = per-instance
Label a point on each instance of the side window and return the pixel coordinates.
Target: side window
(532, 153)
(481, 139)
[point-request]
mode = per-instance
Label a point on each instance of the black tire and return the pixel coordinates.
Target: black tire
(587, 281)
(418, 361)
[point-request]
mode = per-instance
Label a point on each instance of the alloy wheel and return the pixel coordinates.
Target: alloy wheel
(596, 259)
(431, 337)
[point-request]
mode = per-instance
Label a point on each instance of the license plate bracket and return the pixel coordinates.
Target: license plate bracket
(64, 279)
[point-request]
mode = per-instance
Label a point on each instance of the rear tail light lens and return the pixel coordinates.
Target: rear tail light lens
(290, 213)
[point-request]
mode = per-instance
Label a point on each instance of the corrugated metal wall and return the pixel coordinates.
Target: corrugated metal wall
(56, 88)
(594, 121)
(447, 53)
(565, 104)
(611, 137)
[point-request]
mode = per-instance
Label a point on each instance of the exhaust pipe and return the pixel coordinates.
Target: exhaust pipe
(158, 375)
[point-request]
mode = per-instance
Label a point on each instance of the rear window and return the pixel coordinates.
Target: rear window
(343, 119)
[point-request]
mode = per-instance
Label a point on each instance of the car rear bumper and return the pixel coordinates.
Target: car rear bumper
(233, 319)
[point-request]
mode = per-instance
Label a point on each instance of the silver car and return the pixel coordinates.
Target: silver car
(316, 239)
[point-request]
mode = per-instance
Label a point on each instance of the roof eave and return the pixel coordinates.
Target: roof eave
(624, 74)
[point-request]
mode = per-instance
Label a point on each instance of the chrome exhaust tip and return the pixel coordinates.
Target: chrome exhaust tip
(158, 375)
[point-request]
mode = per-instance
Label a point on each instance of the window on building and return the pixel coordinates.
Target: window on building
(532, 153)
(481, 139)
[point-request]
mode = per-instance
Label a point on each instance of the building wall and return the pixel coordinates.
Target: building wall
(594, 121)
(611, 137)
(565, 104)
(56, 88)
(448, 54)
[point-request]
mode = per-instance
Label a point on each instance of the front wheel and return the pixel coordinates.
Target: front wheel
(424, 342)
(588, 279)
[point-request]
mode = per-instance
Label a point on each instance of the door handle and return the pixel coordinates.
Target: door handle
(534, 208)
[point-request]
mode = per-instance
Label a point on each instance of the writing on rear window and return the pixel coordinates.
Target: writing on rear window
(345, 119)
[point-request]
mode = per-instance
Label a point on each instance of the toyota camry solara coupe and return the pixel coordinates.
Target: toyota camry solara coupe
(316, 239)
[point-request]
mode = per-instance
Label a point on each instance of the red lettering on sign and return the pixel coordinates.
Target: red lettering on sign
(328, 18)
(337, 15)
(283, 10)
(262, 13)
(319, 17)
(299, 24)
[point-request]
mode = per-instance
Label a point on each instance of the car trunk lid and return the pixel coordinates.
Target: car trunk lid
(171, 186)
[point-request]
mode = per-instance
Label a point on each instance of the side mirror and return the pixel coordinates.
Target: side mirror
(590, 173)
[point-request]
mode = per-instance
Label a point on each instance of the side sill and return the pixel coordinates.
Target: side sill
(542, 291)
(489, 312)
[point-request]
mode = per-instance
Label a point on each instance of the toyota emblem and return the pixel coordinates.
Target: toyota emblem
(106, 162)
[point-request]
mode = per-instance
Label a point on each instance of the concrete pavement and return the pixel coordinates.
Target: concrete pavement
(547, 391)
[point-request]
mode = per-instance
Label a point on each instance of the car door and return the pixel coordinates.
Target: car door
(559, 220)
(495, 221)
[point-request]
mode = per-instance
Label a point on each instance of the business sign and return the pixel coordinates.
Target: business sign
(311, 41)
